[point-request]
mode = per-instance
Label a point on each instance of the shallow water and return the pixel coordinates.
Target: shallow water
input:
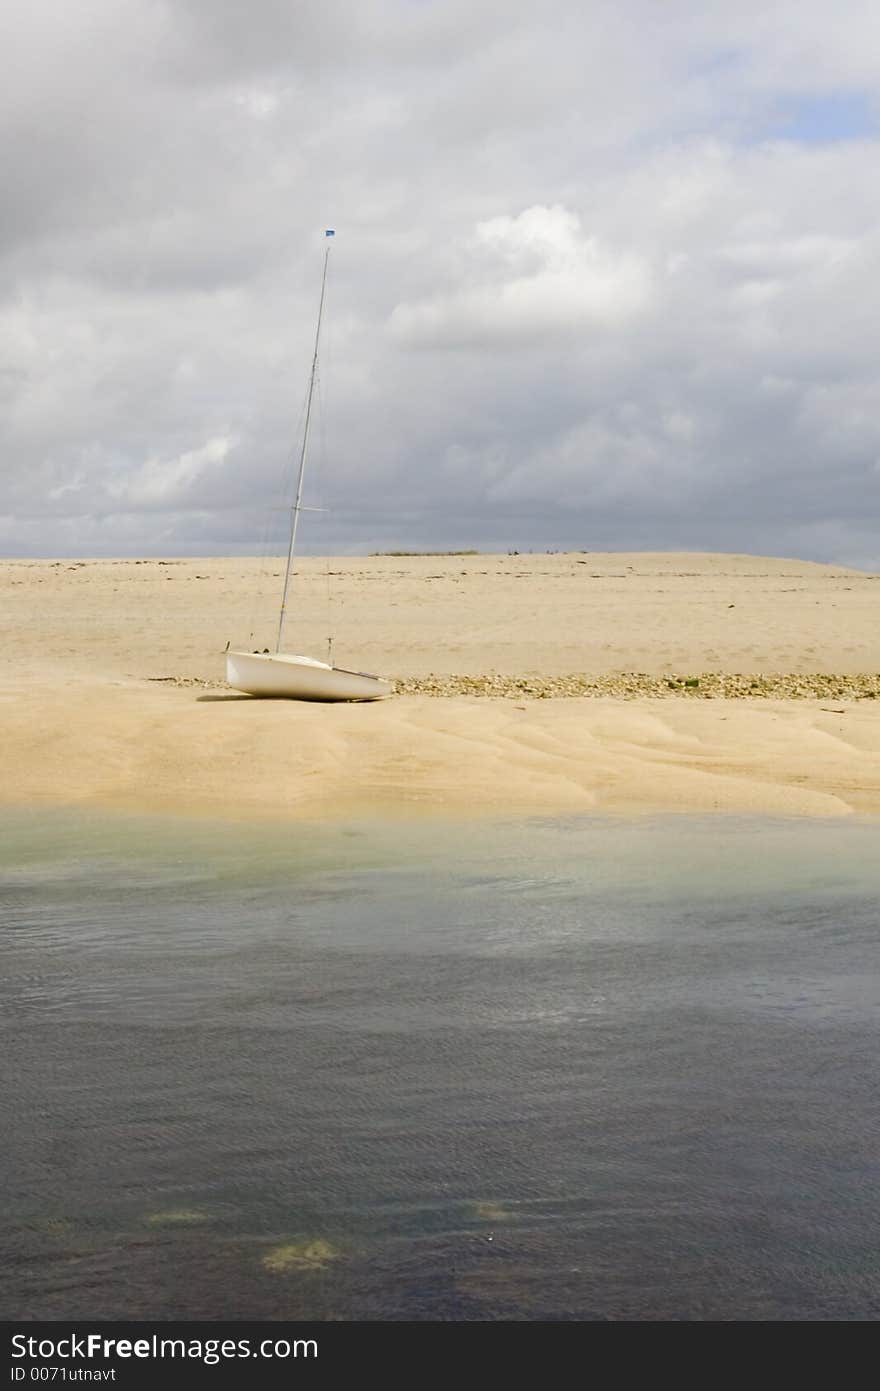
(580, 1069)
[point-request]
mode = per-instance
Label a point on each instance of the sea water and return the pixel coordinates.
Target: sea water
(536, 1070)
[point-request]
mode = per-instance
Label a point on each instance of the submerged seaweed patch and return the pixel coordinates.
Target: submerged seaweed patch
(176, 1217)
(52, 1226)
(315, 1254)
(492, 1212)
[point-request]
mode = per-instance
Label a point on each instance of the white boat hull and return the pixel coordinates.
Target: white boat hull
(300, 678)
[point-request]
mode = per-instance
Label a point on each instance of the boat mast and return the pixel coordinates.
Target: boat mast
(296, 509)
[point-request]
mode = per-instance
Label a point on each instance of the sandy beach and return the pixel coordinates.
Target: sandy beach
(618, 683)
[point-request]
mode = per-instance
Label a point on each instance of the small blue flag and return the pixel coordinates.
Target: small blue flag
(330, 232)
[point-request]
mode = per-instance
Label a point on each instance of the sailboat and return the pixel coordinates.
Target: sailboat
(279, 673)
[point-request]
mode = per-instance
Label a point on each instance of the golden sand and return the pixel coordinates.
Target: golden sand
(538, 684)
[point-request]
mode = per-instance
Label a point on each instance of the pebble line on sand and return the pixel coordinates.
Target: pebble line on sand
(708, 685)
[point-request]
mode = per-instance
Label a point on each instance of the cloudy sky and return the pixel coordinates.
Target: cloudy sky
(606, 274)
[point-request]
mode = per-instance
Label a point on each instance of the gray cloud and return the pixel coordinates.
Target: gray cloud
(588, 289)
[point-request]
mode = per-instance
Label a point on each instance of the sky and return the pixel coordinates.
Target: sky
(606, 275)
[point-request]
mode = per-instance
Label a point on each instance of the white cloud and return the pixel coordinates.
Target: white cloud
(258, 102)
(527, 278)
(168, 482)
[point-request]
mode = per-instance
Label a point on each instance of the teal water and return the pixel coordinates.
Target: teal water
(580, 1069)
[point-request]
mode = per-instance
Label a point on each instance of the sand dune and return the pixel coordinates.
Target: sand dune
(104, 700)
